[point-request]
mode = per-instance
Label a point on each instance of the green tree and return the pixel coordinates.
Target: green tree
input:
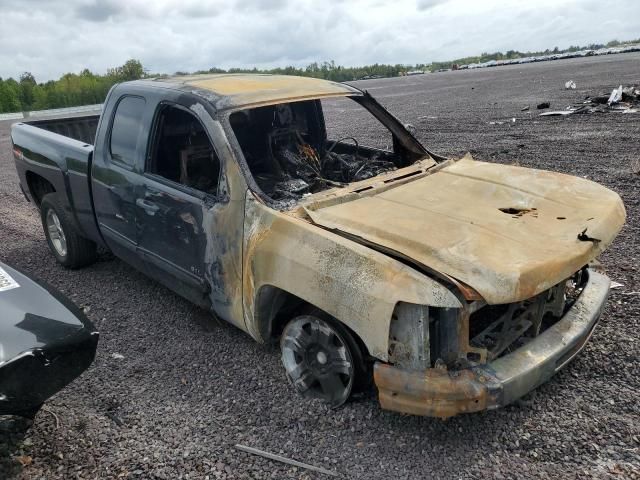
(131, 70)
(27, 84)
(9, 98)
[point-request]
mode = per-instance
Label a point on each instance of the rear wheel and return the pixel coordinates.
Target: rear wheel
(69, 248)
(320, 357)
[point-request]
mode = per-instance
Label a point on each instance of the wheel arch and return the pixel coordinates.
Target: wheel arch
(270, 303)
(38, 186)
(274, 307)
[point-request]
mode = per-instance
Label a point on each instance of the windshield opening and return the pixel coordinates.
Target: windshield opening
(300, 148)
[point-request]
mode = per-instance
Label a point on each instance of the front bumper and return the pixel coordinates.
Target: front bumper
(441, 393)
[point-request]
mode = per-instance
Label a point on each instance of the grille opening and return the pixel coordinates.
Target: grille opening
(502, 329)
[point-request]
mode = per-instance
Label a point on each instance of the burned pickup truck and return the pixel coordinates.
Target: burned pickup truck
(457, 285)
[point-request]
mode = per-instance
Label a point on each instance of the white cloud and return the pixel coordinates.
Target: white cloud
(427, 4)
(49, 38)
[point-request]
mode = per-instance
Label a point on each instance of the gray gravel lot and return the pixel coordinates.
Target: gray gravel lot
(189, 388)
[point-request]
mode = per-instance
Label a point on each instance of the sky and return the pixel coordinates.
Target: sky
(51, 37)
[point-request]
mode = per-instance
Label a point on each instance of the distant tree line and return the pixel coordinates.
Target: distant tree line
(70, 90)
(88, 88)
(325, 70)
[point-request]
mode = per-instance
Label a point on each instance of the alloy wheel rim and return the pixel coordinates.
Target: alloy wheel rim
(317, 360)
(56, 233)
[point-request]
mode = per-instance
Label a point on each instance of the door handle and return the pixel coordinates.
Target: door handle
(148, 206)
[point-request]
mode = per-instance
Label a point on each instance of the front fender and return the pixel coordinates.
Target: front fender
(355, 284)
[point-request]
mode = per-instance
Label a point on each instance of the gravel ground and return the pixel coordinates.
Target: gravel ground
(189, 388)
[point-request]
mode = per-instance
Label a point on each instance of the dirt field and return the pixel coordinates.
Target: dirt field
(188, 388)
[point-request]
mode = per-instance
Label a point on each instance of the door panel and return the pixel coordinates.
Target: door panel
(171, 240)
(115, 180)
(179, 188)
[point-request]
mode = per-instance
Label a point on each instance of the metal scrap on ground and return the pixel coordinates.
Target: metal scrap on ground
(615, 96)
(621, 100)
(278, 458)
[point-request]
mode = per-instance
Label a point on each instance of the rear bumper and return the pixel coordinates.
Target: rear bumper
(441, 393)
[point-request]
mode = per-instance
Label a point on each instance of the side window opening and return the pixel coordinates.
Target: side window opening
(182, 151)
(126, 130)
(290, 154)
(346, 120)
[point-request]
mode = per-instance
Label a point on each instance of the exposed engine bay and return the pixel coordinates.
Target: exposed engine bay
(289, 155)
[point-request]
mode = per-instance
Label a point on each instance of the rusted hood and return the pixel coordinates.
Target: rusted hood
(508, 232)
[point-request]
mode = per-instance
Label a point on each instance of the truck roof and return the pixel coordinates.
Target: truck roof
(242, 90)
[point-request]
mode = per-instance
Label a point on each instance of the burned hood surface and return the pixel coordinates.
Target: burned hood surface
(508, 232)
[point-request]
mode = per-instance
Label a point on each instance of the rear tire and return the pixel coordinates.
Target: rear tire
(70, 249)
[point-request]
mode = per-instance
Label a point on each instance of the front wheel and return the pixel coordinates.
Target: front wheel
(320, 358)
(69, 248)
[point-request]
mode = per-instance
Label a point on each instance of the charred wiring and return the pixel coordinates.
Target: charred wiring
(305, 171)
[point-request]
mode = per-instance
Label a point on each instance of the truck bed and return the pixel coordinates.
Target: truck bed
(58, 152)
(82, 128)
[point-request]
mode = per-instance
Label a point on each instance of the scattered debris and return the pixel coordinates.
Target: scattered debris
(278, 458)
(45, 409)
(556, 112)
(615, 96)
(117, 356)
(570, 85)
(615, 285)
(631, 94)
(543, 105)
(621, 100)
(24, 460)
(524, 109)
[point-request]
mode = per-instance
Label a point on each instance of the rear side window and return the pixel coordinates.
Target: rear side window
(127, 126)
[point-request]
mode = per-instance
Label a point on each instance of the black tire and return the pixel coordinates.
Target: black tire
(321, 358)
(78, 251)
(361, 359)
